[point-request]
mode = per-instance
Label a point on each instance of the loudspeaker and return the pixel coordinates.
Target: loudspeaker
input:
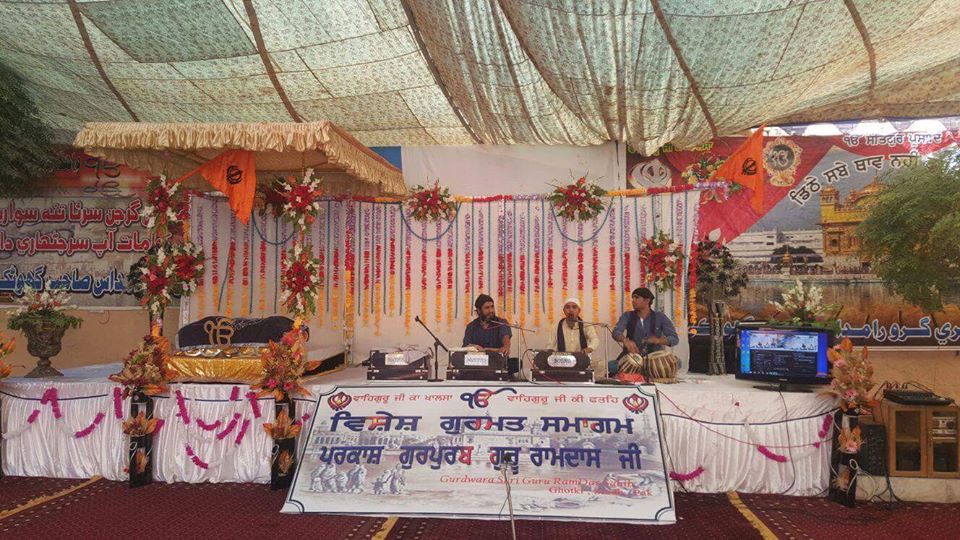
(700, 353)
(873, 451)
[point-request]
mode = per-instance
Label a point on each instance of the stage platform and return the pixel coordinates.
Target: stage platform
(721, 434)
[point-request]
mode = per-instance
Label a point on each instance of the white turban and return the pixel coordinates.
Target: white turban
(572, 301)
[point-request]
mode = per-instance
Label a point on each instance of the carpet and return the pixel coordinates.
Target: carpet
(815, 518)
(18, 490)
(699, 516)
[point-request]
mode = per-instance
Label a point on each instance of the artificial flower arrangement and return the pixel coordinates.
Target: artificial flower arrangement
(804, 305)
(6, 347)
(852, 378)
(271, 197)
(578, 201)
(719, 275)
(431, 203)
(166, 210)
(850, 440)
(171, 270)
(138, 426)
(46, 309)
(701, 171)
(283, 428)
(301, 199)
(145, 368)
(300, 281)
(662, 259)
(283, 366)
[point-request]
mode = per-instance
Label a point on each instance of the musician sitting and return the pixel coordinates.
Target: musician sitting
(488, 332)
(572, 335)
(643, 330)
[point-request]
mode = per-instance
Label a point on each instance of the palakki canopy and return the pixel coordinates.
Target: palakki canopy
(424, 72)
(278, 149)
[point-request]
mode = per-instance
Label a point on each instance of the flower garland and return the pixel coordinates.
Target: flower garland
(625, 245)
(550, 295)
(536, 269)
(262, 286)
(200, 294)
(407, 262)
(508, 222)
(662, 260)
(423, 269)
(322, 258)
(349, 265)
(678, 279)
(173, 270)
(501, 260)
(579, 200)
(579, 260)
(467, 263)
(365, 248)
(231, 264)
(450, 284)
(393, 262)
(300, 281)
(522, 305)
(379, 224)
(335, 285)
(214, 254)
(612, 241)
(481, 263)
(595, 274)
(564, 266)
(438, 277)
(245, 273)
(431, 203)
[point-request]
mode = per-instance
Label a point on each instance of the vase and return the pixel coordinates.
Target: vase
(283, 459)
(143, 445)
(841, 461)
(44, 341)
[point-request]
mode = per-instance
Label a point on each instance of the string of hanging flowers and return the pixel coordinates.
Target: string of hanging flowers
(300, 281)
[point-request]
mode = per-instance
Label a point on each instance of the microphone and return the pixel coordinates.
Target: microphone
(417, 318)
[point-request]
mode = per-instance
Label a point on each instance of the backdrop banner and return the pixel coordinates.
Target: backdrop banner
(560, 452)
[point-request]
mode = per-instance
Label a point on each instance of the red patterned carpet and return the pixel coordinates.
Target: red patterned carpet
(41, 507)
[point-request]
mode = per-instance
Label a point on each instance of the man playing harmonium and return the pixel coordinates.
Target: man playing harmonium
(643, 330)
(488, 332)
(572, 335)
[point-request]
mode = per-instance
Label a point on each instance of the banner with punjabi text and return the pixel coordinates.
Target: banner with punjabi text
(568, 452)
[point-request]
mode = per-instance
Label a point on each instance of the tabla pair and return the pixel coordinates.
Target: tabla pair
(657, 367)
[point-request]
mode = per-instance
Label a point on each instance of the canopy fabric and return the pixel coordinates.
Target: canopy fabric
(279, 148)
(427, 72)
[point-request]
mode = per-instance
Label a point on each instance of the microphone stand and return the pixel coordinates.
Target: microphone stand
(436, 351)
(521, 338)
(606, 359)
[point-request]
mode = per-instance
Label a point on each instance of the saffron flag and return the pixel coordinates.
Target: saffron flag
(745, 167)
(234, 174)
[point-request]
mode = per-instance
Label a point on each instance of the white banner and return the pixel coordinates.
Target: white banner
(569, 452)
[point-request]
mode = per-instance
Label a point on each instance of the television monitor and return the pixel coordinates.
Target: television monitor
(784, 355)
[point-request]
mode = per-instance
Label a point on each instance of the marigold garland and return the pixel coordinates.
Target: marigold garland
(322, 257)
(481, 263)
(564, 268)
(407, 280)
(201, 290)
(467, 263)
(214, 254)
(231, 264)
(391, 307)
(579, 260)
(501, 261)
(536, 271)
(595, 271)
(450, 284)
(378, 269)
(262, 304)
(335, 277)
(423, 270)
(438, 277)
(365, 248)
(245, 274)
(550, 295)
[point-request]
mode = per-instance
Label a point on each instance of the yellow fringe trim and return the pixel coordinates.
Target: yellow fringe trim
(47, 498)
(757, 524)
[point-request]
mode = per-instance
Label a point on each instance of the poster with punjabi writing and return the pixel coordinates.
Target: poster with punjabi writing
(562, 452)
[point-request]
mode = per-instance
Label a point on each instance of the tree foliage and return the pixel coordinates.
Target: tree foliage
(719, 275)
(911, 233)
(26, 154)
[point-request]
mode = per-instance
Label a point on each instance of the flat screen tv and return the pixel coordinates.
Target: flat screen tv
(788, 356)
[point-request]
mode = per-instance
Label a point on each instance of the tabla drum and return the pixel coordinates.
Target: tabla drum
(630, 368)
(661, 367)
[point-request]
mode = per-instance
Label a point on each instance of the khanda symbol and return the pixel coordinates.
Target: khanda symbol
(635, 403)
(219, 332)
(234, 175)
(749, 166)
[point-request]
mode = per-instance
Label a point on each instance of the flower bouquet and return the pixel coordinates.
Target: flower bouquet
(283, 365)
(42, 317)
(431, 203)
(578, 201)
(662, 259)
(803, 305)
(850, 440)
(300, 281)
(172, 270)
(852, 378)
(145, 368)
(301, 199)
(139, 425)
(167, 209)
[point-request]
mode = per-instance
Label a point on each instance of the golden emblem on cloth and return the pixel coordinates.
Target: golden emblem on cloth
(781, 157)
(219, 332)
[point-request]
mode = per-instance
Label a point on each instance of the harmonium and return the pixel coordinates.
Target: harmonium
(396, 364)
(554, 366)
(477, 366)
(222, 349)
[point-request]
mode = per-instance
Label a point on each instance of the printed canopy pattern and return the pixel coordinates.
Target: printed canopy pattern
(417, 72)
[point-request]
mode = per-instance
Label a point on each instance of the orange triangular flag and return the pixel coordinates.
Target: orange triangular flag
(234, 174)
(745, 167)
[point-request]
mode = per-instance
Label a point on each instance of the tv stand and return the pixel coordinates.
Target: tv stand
(784, 387)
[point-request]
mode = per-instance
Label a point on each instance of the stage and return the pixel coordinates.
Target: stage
(720, 434)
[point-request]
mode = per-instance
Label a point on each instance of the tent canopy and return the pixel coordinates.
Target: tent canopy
(287, 148)
(424, 72)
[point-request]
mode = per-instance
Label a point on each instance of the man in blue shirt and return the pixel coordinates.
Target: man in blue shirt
(644, 330)
(488, 332)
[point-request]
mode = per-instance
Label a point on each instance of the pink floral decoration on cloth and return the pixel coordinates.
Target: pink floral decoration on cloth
(254, 404)
(118, 402)
(33, 416)
(89, 429)
(159, 425)
(50, 396)
(230, 427)
(770, 455)
(242, 432)
(235, 393)
(208, 427)
(182, 406)
(196, 459)
(683, 477)
(824, 429)
(302, 419)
